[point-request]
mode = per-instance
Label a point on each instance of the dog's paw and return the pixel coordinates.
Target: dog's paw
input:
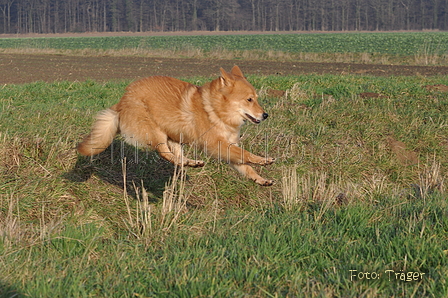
(191, 163)
(199, 163)
(267, 161)
(196, 163)
(264, 182)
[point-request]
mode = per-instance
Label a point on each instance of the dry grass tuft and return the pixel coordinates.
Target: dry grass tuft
(314, 187)
(431, 179)
(144, 220)
(10, 227)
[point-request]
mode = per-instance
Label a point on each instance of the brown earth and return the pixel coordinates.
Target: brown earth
(26, 68)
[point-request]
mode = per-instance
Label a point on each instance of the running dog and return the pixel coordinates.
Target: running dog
(164, 113)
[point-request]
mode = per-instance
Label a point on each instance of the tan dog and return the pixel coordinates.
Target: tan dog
(164, 113)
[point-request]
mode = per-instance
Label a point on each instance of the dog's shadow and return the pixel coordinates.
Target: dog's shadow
(141, 167)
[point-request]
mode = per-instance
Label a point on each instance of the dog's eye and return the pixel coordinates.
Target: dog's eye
(249, 99)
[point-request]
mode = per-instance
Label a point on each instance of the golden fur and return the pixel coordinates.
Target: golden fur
(164, 112)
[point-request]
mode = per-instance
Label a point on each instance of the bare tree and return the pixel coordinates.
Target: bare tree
(42, 16)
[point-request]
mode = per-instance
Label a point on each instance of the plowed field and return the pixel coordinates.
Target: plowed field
(25, 68)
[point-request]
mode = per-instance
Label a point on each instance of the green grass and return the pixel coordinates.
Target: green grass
(382, 43)
(360, 186)
(417, 47)
(250, 254)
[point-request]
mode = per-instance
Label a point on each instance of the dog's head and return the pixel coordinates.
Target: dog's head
(240, 97)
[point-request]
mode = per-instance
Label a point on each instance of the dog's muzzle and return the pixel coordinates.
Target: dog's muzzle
(256, 121)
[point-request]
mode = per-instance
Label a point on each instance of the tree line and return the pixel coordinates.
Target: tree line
(60, 16)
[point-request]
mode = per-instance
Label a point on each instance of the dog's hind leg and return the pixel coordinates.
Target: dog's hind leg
(172, 152)
(177, 150)
(234, 154)
(250, 173)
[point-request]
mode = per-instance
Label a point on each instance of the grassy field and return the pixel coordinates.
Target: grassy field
(421, 48)
(359, 206)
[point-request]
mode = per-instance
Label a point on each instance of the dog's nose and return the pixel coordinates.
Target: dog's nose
(265, 115)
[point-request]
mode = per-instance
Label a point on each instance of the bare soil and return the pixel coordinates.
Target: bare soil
(26, 68)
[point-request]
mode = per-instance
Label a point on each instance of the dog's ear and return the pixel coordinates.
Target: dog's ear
(236, 71)
(226, 78)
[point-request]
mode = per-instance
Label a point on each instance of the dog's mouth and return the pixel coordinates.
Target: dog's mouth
(254, 120)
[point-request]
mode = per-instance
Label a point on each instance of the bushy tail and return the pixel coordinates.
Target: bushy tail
(103, 132)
